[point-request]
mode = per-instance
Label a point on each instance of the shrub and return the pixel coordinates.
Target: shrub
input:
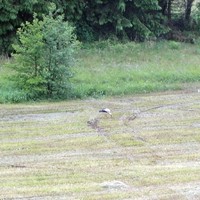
(174, 45)
(43, 56)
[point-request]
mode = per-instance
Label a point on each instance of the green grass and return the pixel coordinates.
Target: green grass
(109, 68)
(8, 90)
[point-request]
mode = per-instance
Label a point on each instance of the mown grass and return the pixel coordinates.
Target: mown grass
(48, 150)
(109, 68)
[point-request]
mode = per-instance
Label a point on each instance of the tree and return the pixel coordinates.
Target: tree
(60, 49)
(136, 19)
(43, 56)
(188, 9)
(177, 10)
(29, 58)
(12, 14)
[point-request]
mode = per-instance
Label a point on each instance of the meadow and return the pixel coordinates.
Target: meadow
(109, 68)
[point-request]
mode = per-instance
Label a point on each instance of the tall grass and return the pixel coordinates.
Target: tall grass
(108, 68)
(113, 68)
(8, 90)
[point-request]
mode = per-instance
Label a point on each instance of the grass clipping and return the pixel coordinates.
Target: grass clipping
(50, 149)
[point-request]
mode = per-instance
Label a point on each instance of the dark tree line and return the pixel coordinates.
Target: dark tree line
(94, 19)
(184, 6)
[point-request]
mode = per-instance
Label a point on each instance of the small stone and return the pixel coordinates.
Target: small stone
(114, 185)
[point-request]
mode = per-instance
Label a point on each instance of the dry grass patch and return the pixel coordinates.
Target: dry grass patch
(67, 149)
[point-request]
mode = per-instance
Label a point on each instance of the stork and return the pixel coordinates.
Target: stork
(106, 110)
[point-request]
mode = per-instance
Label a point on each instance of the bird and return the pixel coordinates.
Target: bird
(106, 110)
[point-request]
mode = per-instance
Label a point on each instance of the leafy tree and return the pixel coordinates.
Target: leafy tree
(12, 14)
(188, 10)
(196, 18)
(177, 10)
(134, 19)
(94, 19)
(60, 49)
(28, 59)
(43, 56)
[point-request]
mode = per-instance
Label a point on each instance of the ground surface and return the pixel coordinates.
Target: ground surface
(149, 149)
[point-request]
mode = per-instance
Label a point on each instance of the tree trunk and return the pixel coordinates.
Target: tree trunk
(163, 4)
(188, 11)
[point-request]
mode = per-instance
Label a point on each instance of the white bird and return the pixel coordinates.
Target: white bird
(106, 110)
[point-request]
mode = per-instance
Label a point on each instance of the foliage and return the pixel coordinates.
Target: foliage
(97, 19)
(60, 49)
(178, 12)
(133, 19)
(44, 54)
(196, 18)
(28, 59)
(12, 14)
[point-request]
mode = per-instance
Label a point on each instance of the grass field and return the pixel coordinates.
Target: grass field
(108, 68)
(68, 150)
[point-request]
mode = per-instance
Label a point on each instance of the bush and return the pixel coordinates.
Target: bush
(174, 45)
(43, 56)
